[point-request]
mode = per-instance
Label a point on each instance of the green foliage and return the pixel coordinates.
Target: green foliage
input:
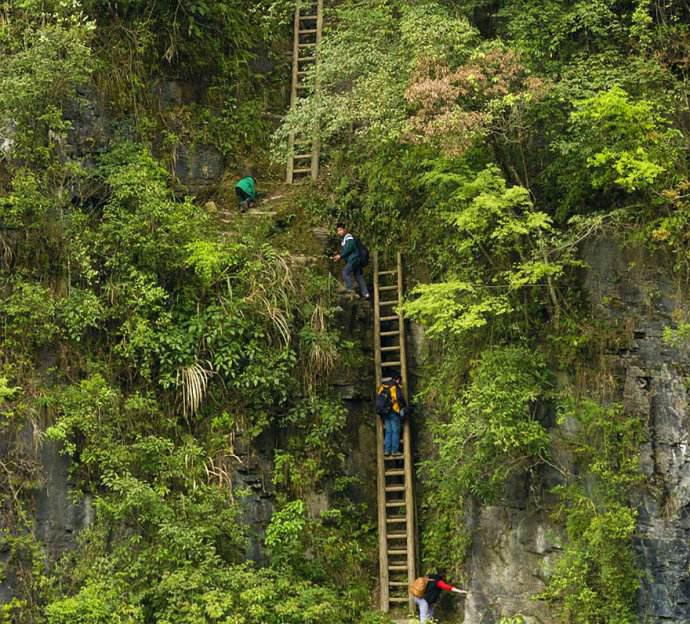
(494, 430)
(96, 603)
(6, 391)
(623, 143)
(366, 61)
(552, 32)
(204, 595)
(677, 335)
(330, 548)
(504, 250)
(286, 534)
(467, 136)
(170, 343)
(314, 451)
(195, 33)
(455, 307)
(143, 227)
(28, 313)
(80, 312)
(493, 434)
(46, 57)
(596, 579)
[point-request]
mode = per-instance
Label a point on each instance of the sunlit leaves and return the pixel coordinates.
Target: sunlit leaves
(494, 430)
(625, 143)
(596, 578)
(455, 307)
(40, 76)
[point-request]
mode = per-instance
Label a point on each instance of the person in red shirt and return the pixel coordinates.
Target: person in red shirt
(434, 587)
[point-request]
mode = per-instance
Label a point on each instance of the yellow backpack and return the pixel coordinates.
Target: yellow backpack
(418, 586)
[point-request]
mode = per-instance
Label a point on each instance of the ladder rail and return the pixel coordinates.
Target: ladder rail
(293, 95)
(403, 529)
(407, 444)
(316, 139)
(384, 603)
(300, 68)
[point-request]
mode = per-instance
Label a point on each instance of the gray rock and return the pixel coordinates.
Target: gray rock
(58, 516)
(199, 168)
(514, 547)
(654, 388)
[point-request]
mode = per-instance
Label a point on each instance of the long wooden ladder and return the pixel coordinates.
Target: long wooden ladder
(395, 473)
(303, 150)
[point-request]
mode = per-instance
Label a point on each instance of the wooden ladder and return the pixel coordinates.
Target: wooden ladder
(303, 150)
(395, 473)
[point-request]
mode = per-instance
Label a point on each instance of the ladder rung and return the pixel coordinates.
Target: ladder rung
(306, 45)
(386, 364)
(388, 272)
(400, 503)
(389, 318)
(388, 287)
(389, 302)
(396, 348)
(398, 583)
(395, 473)
(304, 59)
(398, 568)
(302, 170)
(390, 333)
(301, 156)
(397, 536)
(394, 456)
(307, 31)
(395, 488)
(308, 17)
(397, 551)
(397, 599)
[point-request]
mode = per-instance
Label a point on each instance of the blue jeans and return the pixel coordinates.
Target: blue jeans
(354, 269)
(426, 610)
(392, 425)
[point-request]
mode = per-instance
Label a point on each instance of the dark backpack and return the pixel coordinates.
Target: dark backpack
(362, 252)
(384, 401)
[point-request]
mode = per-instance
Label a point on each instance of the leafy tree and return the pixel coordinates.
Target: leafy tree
(596, 579)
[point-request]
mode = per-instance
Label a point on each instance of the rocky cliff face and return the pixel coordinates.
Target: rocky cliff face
(515, 545)
(60, 512)
(630, 287)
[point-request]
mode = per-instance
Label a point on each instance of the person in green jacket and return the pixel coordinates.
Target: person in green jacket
(245, 190)
(349, 251)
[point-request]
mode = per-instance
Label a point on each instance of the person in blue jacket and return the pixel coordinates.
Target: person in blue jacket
(349, 252)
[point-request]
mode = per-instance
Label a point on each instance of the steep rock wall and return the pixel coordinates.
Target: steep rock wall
(515, 544)
(60, 511)
(630, 287)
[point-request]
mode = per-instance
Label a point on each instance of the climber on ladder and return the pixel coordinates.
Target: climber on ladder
(356, 257)
(391, 406)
